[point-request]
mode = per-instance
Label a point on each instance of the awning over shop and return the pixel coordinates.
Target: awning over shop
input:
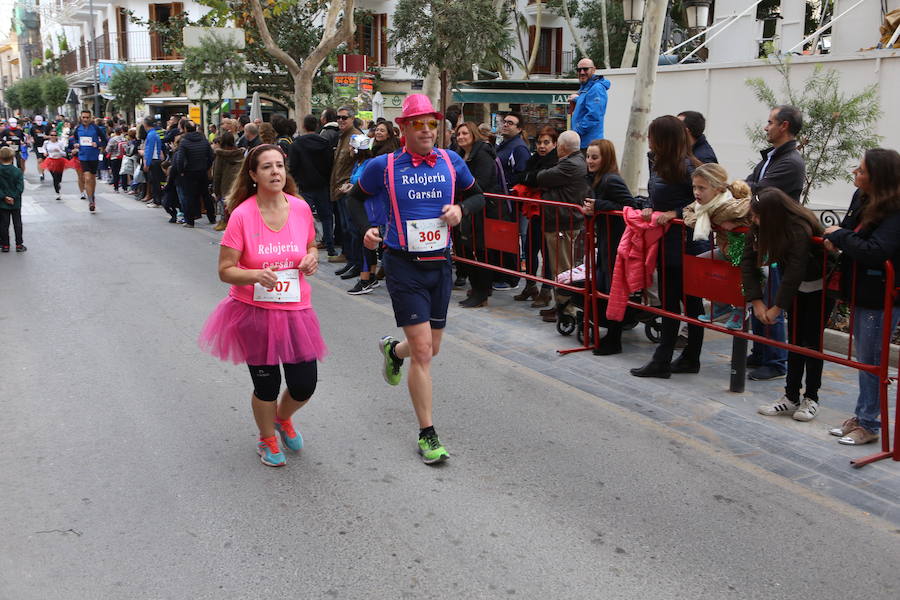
(516, 91)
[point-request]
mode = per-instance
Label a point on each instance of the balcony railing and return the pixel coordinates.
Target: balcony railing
(133, 46)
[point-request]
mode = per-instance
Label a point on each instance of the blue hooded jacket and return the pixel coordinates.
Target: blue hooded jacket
(590, 109)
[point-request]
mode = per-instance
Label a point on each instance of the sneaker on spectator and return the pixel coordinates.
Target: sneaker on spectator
(736, 321)
(361, 287)
(374, 283)
(859, 436)
(765, 373)
(807, 410)
(459, 283)
(719, 310)
(845, 428)
(784, 406)
(501, 286)
(269, 452)
(290, 437)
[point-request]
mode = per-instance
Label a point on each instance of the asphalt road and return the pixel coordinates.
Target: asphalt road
(128, 468)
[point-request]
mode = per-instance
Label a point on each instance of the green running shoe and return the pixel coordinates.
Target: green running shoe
(391, 371)
(431, 450)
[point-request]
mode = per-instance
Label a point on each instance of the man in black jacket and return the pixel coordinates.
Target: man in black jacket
(196, 157)
(310, 158)
(781, 167)
(695, 123)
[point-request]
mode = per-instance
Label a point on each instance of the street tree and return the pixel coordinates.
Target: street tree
(12, 95)
(603, 49)
(54, 90)
(837, 129)
(30, 94)
(215, 66)
(302, 66)
(129, 86)
(446, 34)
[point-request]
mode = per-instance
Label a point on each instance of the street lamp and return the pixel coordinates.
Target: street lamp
(634, 16)
(697, 12)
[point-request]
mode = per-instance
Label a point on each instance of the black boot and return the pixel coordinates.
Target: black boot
(653, 369)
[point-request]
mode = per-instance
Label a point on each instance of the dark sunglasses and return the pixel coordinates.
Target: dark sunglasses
(343, 117)
(580, 69)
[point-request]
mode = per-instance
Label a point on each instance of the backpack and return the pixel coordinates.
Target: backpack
(130, 148)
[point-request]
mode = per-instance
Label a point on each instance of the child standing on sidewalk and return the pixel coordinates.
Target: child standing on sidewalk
(718, 203)
(12, 184)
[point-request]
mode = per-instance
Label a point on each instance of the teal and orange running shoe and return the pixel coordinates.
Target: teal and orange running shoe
(269, 453)
(290, 437)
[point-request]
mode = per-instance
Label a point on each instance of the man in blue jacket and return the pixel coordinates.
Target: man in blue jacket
(153, 154)
(89, 140)
(590, 103)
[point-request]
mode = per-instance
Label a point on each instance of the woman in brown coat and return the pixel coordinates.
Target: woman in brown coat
(226, 166)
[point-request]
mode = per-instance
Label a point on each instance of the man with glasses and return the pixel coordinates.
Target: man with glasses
(513, 154)
(427, 192)
(590, 103)
(351, 245)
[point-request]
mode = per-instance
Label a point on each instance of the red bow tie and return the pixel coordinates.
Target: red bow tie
(418, 159)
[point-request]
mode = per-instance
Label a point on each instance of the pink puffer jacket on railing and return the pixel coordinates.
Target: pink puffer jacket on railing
(635, 260)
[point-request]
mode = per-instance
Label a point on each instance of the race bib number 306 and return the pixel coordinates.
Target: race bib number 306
(424, 235)
(286, 289)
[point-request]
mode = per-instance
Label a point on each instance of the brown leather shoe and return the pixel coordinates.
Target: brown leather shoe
(543, 299)
(529, 293)
(338, 258)
(549, 318)
(549, 312)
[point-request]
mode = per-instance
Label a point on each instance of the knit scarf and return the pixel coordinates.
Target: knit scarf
(704, 223)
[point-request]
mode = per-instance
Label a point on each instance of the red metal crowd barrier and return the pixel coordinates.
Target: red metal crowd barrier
(508, 245)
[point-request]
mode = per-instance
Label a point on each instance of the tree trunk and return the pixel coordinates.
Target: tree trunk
(302, 74)
(642, 100)
(630, 49)
(536, 42)
(442, 139)
(575, 36)
(604, 33)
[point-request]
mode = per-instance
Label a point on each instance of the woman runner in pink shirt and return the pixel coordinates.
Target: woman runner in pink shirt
(267, 320)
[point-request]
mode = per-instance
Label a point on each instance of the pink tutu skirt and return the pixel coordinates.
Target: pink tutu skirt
(243, 333)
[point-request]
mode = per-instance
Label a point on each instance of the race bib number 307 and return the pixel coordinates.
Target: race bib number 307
(286, 289)
(424, 235)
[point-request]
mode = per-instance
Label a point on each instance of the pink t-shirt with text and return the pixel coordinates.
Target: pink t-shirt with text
(261, 247)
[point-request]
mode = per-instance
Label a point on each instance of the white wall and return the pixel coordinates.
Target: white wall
(720, 93)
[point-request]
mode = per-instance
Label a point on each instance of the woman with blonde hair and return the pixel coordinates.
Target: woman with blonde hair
(267, 321)
(724, 205)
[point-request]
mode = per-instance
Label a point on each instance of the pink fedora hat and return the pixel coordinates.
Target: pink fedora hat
(416, 105)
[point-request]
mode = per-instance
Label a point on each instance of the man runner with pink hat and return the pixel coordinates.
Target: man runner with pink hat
(428, 191)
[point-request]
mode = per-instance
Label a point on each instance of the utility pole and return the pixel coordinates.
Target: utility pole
(94, 59)
(642, 99)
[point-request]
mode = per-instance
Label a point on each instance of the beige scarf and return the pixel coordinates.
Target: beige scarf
(704, 223)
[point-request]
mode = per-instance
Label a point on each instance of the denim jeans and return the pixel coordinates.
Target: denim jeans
(325, 211)
(763, 354)
(867, 333)
(352, 240)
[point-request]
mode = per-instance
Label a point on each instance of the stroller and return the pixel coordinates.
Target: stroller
(566, 323)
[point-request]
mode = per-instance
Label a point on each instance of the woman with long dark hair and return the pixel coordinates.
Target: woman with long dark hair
(267, 321)
(671, 190)
(781, 232)
(468, 236)
(868, 236)
(610, 193)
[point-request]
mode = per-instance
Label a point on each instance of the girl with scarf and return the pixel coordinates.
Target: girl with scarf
(725, 206)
